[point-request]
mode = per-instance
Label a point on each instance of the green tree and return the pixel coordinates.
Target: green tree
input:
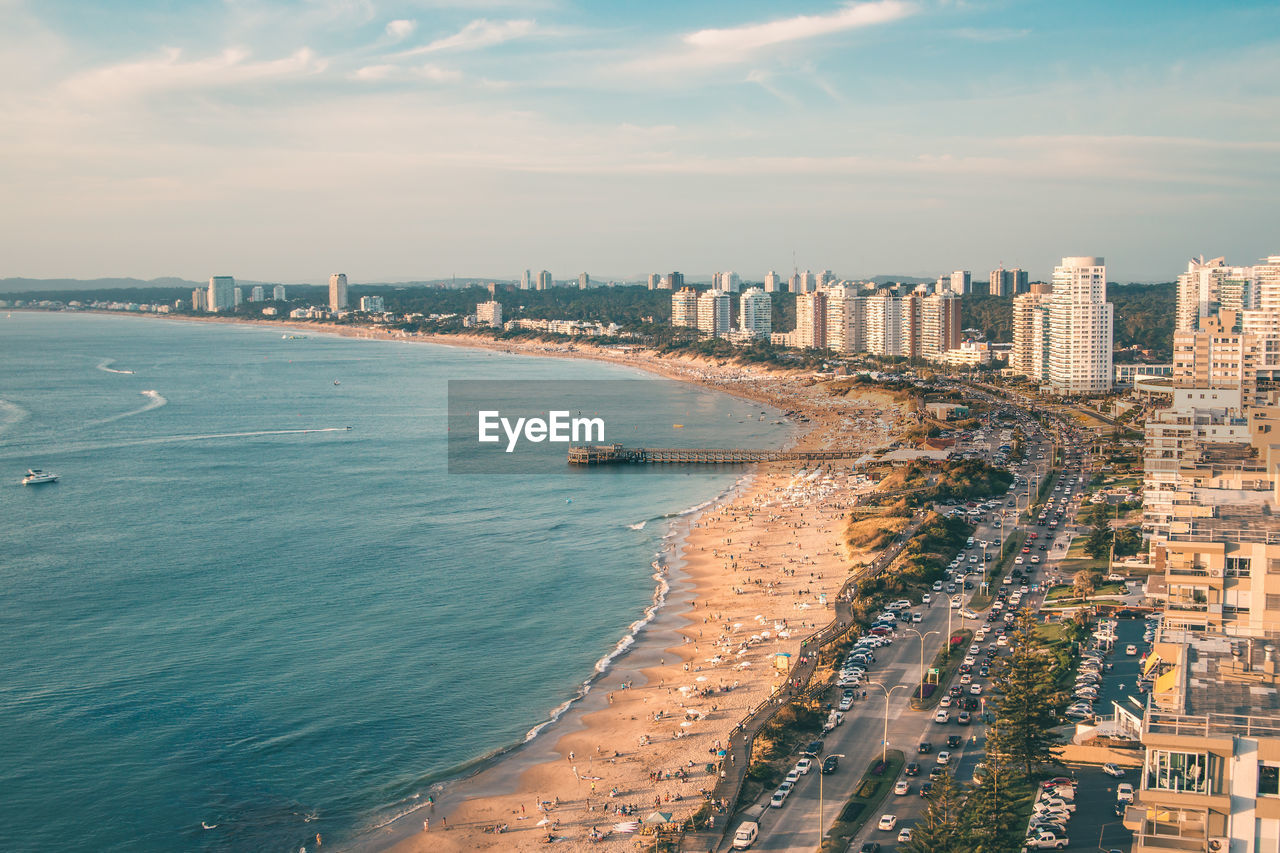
(992, 817)
(1099, 542)
(941, 830)
(1022, 733)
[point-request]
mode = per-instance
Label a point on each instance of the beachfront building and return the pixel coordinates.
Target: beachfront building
(755, 313)
(278, 293)
(376, 305)
(884, 324)
(1216, 356)
(811, 320)
(713, 313)
(939, 325)
(1210, 779)
(1080, 328)
(772, 282)
(1029, 356)
(221, 295)
(1208, 287)
(487, 313)
(257, 294)
(237, 296)
(338, 291)
(845, 320)
(684, 308)
(200, 299)
(967, 354)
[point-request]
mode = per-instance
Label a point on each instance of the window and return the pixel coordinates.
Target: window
(1273, 601)
(1180, 771)
(1269, 780)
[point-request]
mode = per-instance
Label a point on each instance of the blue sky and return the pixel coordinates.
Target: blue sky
(403, 139)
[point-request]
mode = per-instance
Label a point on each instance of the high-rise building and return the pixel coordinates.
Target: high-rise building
(811, 320)
(655, 280)
(884, 324)
(1029, 355)
(960, 282)
(526, 279)
(584, 281)
(200, 299)
(825, 279)
(1020, 283)
(1216, 355)
(793, 283)
(544, 280)
(772, 282)
(237, 296)
(1080, 328)
(684, 308)
(912, 313)
(338, 291)
(673, 281)
(846, 320)
(713, 313)
(1001, 283)
(808, 282)
(939, 325)
(1198, 291)
(278, 293)
(755, 313)
(489, 313)
(222, 293)
(257, 294)
(373, 304)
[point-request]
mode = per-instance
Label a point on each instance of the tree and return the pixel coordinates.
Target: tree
(1022, 733)
(992, 818)
(942, 828)
(1099, 542)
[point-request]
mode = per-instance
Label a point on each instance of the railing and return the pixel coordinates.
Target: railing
(1208, 725)
(617, 454)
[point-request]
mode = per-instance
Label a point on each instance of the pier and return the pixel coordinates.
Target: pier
(616, 454)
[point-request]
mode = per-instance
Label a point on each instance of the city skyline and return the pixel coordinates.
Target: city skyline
(418, 139)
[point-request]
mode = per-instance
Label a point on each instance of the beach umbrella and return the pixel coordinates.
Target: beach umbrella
(545, 821)
(626, 827)
(701, 678)
(659, 817)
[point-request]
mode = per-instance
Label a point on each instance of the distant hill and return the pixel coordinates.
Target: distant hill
(29, 285)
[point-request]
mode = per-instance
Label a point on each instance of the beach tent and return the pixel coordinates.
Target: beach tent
(659, 817)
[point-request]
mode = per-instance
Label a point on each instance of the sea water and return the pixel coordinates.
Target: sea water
(233, 612)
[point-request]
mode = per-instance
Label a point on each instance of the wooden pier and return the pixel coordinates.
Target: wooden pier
(616, 454)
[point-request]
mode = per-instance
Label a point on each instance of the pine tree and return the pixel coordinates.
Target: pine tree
(1022, 733)
(992, 820)
(941, 830)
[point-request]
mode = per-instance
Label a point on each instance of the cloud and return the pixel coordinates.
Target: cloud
(478, 34)
(430, 72)
(990, 35)
(738, 42)
(170, 72)
(401, 29)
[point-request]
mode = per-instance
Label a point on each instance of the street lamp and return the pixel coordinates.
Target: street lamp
(888, 691)
(837, 755)
(921, 636)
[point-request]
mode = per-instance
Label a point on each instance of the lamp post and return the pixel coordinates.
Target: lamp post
(921, 636)
(888, 691)
(837, 755)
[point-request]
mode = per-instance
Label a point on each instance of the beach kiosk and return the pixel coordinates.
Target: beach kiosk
(782, 661)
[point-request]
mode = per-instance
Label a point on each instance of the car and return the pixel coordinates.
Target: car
(956, 690)
(1058, 782)
(937, 586)
(926, 598)
(793, 776)
(1113, 770)
(926, 790)
(1124, 793)
(975, 689)
(944, 702)
(830, 764)
(814, 749)
(869, 847)
(944, 758)
(954, 741)
(924, 747)
(904, 834)
(966, 678)
(942, 717)
(1131, 650)
(912, 769)
(778, 799)
(963, 718)
(887, 822)
(902, 787)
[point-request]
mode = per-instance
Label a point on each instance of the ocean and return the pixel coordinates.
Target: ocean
(234, 612)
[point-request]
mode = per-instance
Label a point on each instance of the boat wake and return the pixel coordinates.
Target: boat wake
(154, 401)
(105, 367)
(172, 439)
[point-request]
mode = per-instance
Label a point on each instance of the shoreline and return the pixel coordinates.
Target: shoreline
(775, 509)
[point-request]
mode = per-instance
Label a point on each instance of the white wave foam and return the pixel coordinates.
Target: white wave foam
(105, 367)
(639, 526)
(154, 401)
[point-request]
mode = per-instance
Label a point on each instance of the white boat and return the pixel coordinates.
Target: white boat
(35, 477)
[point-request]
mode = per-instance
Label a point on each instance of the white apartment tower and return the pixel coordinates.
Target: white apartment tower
(884, 324)
(278, 293)
(961, 282)
(1081, 328)
(488, 313)
(525, 279)
(584, 281)
(846, 320)
(655, 280)
(772, 282)
(544, 280)
(338, 291)
(939, 326)
(713, 313)
(258, 294)
(729, 282)
(222, 293)
(373, 304)
(755, 313)
(684, 308)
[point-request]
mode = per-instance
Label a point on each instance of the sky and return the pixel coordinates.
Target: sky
(414, 139)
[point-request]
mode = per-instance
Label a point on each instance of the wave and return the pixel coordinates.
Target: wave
(171, 439)
(639, 526)
(105, 367)
(154, 401)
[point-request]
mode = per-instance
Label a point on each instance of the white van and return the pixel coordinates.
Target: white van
(747, 834)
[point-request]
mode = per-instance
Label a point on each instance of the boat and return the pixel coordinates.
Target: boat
(36, 477)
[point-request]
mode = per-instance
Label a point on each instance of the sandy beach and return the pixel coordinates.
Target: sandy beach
(750, 577)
